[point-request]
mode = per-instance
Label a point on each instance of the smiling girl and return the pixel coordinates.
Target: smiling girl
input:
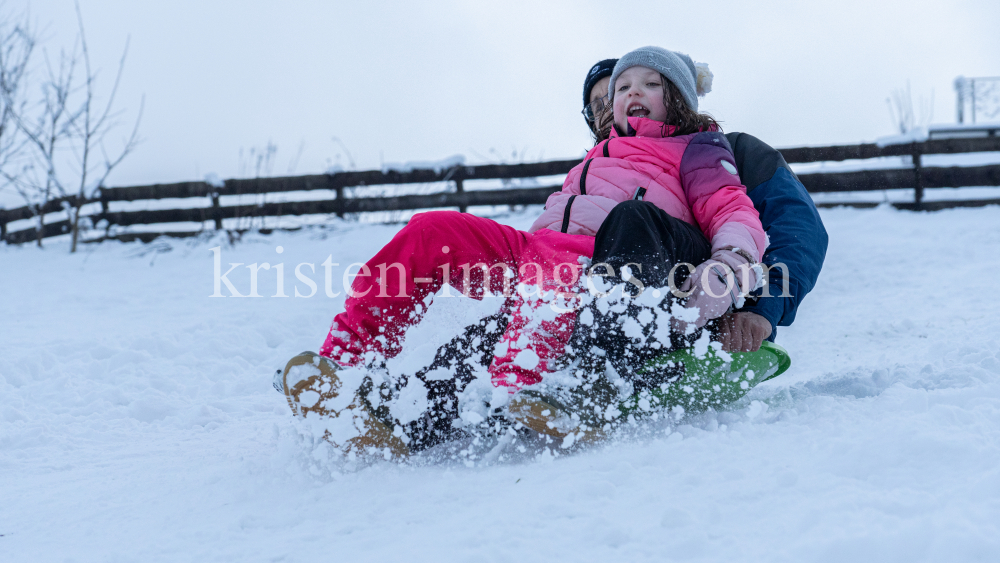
(660, 150)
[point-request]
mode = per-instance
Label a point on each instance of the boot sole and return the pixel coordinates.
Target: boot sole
(375, 435)
(531, 412)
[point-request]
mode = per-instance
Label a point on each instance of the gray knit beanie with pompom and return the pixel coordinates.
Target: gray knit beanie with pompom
(692, 79)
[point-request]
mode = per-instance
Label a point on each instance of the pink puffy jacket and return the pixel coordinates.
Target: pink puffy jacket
(691, 177)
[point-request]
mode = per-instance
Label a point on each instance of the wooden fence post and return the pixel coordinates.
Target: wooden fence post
(216, 212)
(459, 188)
(104, 211)
(918, 178)
(340, 201)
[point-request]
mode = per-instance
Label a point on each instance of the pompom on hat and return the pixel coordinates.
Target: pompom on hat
(692, 79)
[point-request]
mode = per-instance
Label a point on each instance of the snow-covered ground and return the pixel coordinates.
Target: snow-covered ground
(138, 422)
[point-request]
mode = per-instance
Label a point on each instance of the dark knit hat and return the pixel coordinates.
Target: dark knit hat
(597, 72)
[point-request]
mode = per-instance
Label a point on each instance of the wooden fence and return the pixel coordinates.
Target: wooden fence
(454, 194)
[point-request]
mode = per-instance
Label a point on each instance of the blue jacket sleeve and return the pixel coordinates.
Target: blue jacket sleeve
(797, 239)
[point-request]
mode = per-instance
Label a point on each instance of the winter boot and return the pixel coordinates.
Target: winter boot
(311, 386)
(588, 409)
(549, 416)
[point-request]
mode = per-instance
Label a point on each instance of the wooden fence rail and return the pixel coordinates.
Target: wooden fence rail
(918, 177)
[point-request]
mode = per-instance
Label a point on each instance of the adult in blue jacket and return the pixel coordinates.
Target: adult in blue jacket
(633, 231)
(795, 231)
(797, 240)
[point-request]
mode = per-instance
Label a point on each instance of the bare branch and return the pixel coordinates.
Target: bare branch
(130, 144)
(63, 131)
(17, 44)
(89, 130)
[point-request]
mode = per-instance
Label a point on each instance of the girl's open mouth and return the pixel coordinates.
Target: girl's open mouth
(636, 110)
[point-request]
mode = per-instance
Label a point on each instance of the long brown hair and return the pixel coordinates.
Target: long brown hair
(681, 116)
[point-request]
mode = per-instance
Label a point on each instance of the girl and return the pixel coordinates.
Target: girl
(661, 151)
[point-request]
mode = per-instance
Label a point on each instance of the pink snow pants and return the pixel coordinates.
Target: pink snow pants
(470, 254)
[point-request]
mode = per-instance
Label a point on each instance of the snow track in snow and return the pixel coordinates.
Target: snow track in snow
(137, 420)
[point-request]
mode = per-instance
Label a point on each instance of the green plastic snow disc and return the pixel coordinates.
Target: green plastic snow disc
(710, 381)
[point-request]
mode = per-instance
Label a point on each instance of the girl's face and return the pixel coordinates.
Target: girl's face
(639, 93)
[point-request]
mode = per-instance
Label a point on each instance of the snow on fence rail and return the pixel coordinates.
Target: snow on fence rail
(917, 177)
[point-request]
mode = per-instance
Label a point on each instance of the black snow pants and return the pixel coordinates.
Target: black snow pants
(649, 242)
(645, 236)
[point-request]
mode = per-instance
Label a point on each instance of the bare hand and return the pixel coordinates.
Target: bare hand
(742, 332)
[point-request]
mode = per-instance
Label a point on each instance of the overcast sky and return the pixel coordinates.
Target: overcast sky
(409, 81)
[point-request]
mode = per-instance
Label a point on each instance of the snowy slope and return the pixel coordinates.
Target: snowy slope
(137, 421)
